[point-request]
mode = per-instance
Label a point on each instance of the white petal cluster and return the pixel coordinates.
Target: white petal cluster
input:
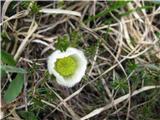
(80, 70)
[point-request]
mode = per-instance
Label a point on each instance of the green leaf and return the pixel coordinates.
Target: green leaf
(12, 69)
(28, 115)
(7, 58)
(14, 88)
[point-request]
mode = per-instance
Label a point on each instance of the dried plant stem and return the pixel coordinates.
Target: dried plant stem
(31, 30)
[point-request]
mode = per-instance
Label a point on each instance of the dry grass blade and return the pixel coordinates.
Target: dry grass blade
(5, 6)
(60, 11)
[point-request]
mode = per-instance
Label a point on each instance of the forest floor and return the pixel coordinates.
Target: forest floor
(121, 40)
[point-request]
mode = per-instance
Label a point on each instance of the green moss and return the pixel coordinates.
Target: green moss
(66, 66)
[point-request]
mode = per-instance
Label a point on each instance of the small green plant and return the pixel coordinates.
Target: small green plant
(75, 38)
(90, 50)
(62, 43)
(25, 4)
(131, 65)
(121, 85)
(33, 6)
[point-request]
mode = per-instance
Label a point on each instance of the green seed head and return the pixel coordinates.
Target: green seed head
(66, 66)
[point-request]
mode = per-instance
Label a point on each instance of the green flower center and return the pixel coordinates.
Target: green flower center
(66, 66)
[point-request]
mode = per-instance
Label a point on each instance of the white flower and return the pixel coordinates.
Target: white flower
(68, 67)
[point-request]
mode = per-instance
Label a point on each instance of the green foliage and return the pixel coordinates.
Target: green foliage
(25, 4)
(148, 74)
(37, 103)
(60, 3)
(158, 35)
(7, 58)
(2, 73)
(16, 85)
(35, 8)
(150, 77)
(42, 93)
(12, 69)
(121, 85)
(91, 50)
(114, 6)
(14, 88)
(146, 112)
(136, 10)
(62, 43)
(131, 65)
(75, 38)
(100, 88)
(149, 111)
(26, 115)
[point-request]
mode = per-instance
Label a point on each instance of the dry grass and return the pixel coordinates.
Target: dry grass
(112, 41)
